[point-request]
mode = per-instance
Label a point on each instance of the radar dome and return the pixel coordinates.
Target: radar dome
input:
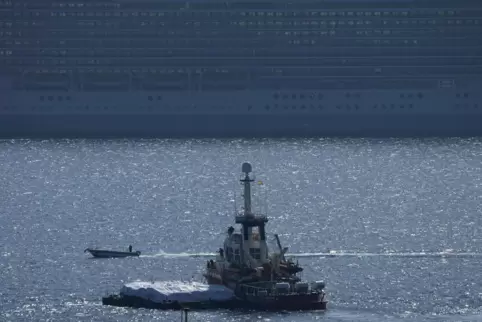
(246, 168)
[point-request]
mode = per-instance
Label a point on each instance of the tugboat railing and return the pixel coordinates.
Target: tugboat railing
(259, 217)
(254, 290)
(270, 289)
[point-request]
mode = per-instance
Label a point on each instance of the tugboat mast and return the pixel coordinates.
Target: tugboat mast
(246, 169)
(249, 220)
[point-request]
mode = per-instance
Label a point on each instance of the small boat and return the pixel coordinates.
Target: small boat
(100, 253)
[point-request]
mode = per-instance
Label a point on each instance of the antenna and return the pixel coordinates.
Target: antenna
(234, 197)
(266, 200)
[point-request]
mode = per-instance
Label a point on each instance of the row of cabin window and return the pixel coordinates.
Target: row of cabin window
(309, 69)
(173, 37)
(128, 47)
(387, 30)
(346, 55)
(71, 38)
(188, 26)
(339, 43)
(182, 78)
(312, 70)
(125, 56)
(242, 71)
(360, 34)
(120, 38)
(254, 254)
(227, 5)
(56, 4)
(49, 52)
(234, 14)
(272, 64)
(339, 13)
(311, 36)
(300, 76)
(233, 23)
(267, 107)
(239, 60)
(264, 13)
(227, 87)
(151, 98)
(295, 96)
(236, 76)
(230, 15)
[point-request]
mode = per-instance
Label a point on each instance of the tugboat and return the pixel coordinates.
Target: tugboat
(260, 279)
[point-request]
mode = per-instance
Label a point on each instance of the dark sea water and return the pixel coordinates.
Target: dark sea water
(388, 207)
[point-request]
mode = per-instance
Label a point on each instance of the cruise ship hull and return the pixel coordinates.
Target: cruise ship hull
(240, 68)
(228, 126)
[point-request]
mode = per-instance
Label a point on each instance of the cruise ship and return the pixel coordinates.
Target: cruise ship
(240, 68)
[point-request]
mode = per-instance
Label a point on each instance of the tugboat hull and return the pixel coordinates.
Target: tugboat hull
(288, 302)
(296, 302)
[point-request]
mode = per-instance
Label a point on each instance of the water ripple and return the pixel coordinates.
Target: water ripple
(393, 226)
